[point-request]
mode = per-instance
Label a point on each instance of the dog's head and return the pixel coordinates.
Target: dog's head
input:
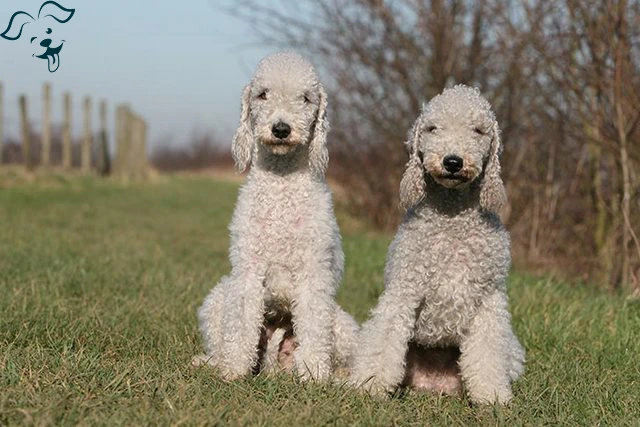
(41, 31)
(283, 107)
(455, 142)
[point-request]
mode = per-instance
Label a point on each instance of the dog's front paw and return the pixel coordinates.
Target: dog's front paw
(371, 386)
(501, 395)
(201, 360)
(230, 375)
(311, 368)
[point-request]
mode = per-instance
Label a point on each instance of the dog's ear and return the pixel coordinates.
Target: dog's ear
(412, 186)
(492, 194)
(57, 12)
(242, 145)
(318, 151)
(14, 29)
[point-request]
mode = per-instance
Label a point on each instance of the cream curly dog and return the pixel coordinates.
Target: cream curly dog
(443, 319)
(286, 254)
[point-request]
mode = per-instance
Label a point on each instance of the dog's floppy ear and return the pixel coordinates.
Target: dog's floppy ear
(492, 194)
(318, 152)
(412, 186)
(57, 12)
(14, 29)
(242, 145)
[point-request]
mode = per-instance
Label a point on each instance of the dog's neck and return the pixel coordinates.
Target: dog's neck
(449, 201)
(294, 162)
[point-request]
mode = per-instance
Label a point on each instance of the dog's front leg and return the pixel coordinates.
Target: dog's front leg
(490, 354)
(242, 323)
(379, 360)
(313, 311)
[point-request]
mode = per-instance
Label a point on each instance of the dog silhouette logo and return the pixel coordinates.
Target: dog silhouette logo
(43, 41)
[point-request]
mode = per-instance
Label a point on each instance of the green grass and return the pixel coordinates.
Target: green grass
(99, 285)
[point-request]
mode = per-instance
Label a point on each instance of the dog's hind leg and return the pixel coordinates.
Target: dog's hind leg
(517, 356)
(272, 348)
(210, 325)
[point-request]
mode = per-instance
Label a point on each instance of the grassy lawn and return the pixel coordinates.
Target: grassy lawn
(100, 282)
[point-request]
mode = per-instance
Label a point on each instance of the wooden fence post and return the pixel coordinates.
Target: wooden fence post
(128, 141)
(66, 132)
(86, 143)
(117, 163)
(45, 157)
(133, 145)
(1, 123)
(138, 139)
(123, 135)
(104, 164)
(131, 140)
(26, 137)
(142, 148)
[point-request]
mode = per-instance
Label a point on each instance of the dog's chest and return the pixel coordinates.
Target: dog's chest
(461, 266)
(282, 225)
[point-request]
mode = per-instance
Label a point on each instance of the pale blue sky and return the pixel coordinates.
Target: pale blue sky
(182, 65)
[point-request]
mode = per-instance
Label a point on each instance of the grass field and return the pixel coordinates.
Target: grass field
(99, 284)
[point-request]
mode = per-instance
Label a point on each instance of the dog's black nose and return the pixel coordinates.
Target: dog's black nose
(281, 130)
(45, 43)
(452, 163)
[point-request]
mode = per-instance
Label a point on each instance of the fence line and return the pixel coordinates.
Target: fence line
(131, 132)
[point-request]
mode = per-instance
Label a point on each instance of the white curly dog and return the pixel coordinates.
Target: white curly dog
(286, 254)
(442, 320)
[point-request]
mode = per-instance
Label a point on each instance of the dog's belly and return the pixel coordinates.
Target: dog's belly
(433, 369)
(279, 285)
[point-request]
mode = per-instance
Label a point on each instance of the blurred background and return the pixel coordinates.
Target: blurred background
(563, 78)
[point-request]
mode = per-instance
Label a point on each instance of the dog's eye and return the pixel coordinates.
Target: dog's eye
(306, 99)
(478, 131)
(263, 95)
(431, 128)
(48, 30)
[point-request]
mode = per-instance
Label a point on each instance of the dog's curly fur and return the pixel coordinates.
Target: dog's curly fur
(286, 255)
(444, 307)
